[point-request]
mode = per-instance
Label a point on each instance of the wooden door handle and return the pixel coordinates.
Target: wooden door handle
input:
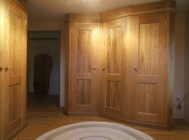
(94, 68)
(103, 68)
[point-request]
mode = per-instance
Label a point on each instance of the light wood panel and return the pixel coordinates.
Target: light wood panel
(2, 72)
(89, 17)
(15, 73)
(150, 64)
(148, 50)
(83, 71)
(141, 9)
(170, 64)
(112, 67)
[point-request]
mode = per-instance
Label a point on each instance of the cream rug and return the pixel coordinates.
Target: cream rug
(95, 131)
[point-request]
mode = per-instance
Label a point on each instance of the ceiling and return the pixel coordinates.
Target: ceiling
(55, 10)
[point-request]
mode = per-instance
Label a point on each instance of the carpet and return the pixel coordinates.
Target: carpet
(95, 131)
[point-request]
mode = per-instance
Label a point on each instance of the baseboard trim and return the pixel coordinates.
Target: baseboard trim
(16, 131)
(87, 114)
(137, 123)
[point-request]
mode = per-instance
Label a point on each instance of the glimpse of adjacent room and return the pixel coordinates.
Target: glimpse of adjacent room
(43, 66)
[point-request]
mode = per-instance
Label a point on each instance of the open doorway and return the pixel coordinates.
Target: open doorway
(43, 66)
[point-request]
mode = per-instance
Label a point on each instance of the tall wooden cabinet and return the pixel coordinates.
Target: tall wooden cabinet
(112, 67)
(13, 81)
(81, 63)
(129, 73)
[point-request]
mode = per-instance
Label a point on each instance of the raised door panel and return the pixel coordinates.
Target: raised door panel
(84, 73)
(149, 70)
(112, 68)
(16, 97)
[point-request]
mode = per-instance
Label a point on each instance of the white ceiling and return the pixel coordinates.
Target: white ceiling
(55, 10)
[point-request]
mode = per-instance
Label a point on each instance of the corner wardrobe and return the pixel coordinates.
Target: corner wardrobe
(120, 64)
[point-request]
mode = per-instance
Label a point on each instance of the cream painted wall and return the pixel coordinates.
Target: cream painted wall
(179, 63)
(186, 77)
(54, 26)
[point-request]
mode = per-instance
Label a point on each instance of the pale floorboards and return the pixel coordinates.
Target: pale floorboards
(45, 115)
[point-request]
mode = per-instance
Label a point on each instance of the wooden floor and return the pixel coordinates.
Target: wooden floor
(45, 115)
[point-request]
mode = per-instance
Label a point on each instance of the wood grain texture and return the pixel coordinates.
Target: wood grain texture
(84, 51)
(84, 92)
(169, 62)
(148, 50)
(15, 79)
(83, 64)
(113, 94)
(147, 98)
(2, 73)
(150, 89)
(147, 117)
(112, 54)
(132, 42)
(67, 68)
(16, 44)
(90, 17)
(141, 9)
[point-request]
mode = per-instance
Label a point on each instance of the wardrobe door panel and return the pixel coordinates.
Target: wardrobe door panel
(112, 68)
(16, 36)
(149, 71)
(84, 73)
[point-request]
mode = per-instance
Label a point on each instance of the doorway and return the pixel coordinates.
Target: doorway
(43, 65)
(42, 71)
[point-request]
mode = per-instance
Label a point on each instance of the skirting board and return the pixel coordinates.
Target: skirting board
(143, 124)
(87, 114)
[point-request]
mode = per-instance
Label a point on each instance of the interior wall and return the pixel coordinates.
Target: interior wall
(50, 48)
(179, 63)
(186, 76)
(54, 26)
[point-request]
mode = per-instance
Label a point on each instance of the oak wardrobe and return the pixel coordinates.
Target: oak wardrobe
(120, 64)
(13, 63)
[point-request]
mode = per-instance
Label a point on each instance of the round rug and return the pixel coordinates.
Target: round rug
(95, 131)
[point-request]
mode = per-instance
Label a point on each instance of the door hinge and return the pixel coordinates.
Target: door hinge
(25, 22)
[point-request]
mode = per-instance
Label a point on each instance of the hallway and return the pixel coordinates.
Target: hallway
(44, 115)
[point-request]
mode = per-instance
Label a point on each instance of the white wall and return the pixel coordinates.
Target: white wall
(179, 62)
(54, 26)
(186, 80)
(50, 48)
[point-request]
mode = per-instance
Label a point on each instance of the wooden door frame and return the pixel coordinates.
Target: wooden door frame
(28, 41)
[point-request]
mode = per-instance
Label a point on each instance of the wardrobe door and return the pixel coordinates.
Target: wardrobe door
(112, 68)
(83, 42)
(15, 105)
(148, 70)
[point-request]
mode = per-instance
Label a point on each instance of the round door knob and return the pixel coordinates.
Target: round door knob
(6, 68)
(135, 69)
(103, 68)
